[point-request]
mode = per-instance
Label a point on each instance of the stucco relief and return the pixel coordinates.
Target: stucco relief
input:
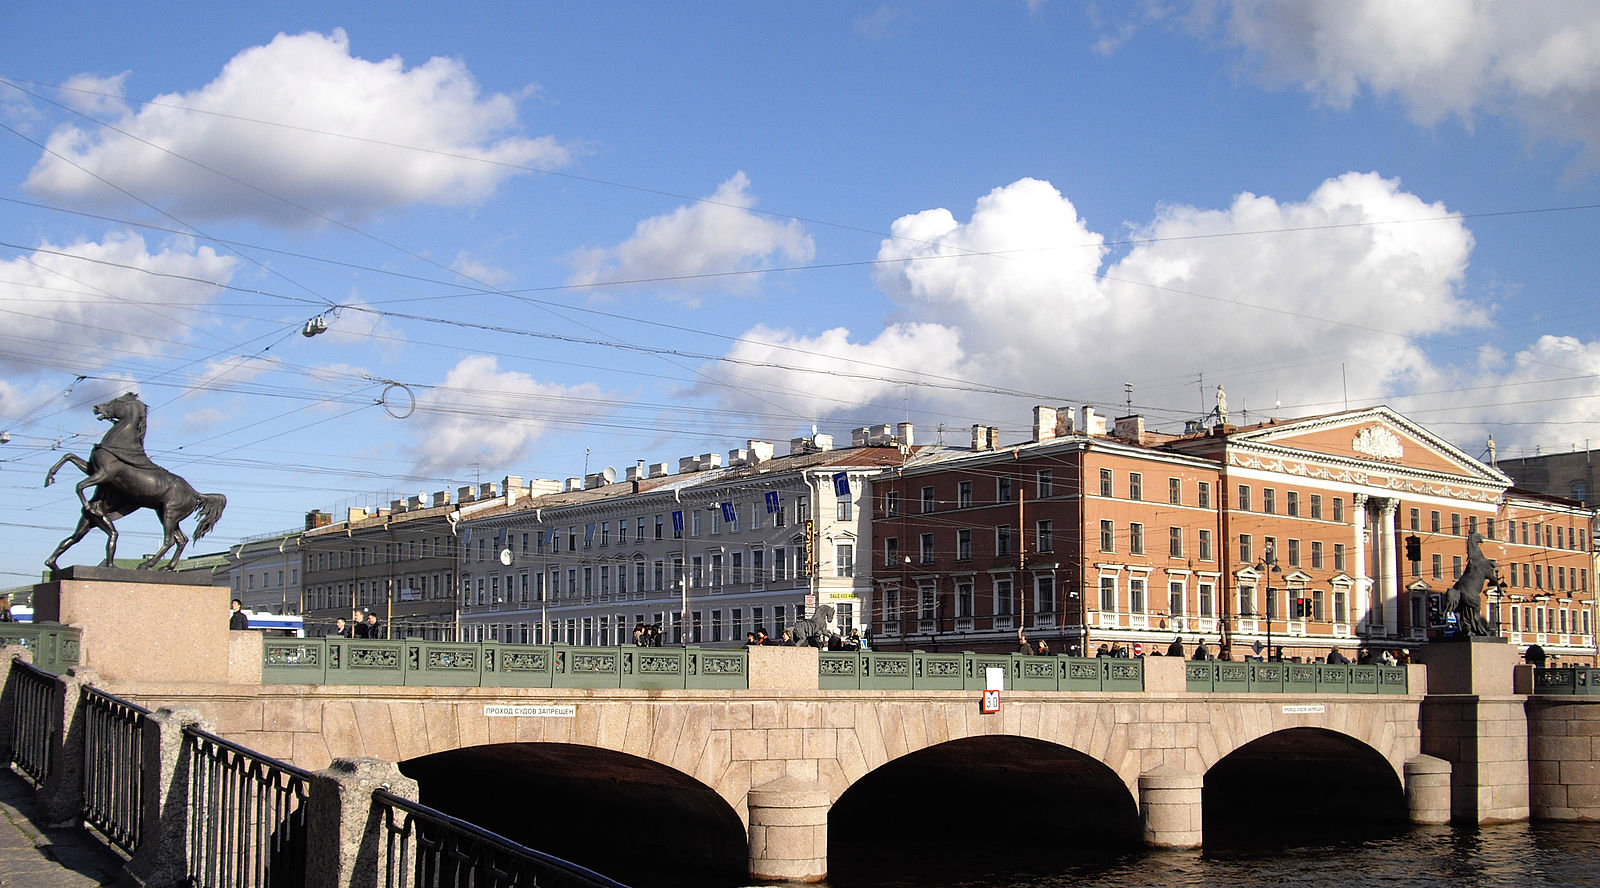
(1359, 478)
(1379, 442)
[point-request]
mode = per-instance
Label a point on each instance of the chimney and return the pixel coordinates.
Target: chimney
(574, 484)
(354, 514)
(823, 442)
(1044, 423)
(688, 464)
(1093, 423)
(396, 506)
(658, 470)
(903, 432)
(860, 437)
(738, 457)
(635, 472)
(1064, 422)
(710, 460)
(1129, 428)
(980, 436)
(466, 495)
(441, 498)
(317, 518)
(416, 502)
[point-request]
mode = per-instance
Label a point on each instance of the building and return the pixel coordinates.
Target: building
(1321, 532)
(264, 573)
(1569, 475)
(707, 553)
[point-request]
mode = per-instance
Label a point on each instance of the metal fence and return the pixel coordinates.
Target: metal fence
(1577, 681)
(424, 847)
(54, 646)
(421, 663)
(247, 816)
(966, 671)
(1228, 676)
(113, 766)
(35, 719)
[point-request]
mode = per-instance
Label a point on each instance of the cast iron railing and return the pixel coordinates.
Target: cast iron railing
(1570, 681)
(113, 766)
(424, 847)
(247, 816)
(54, 646)
(35, 718)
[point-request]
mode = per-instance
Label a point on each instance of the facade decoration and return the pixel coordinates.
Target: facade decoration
(1379, 442)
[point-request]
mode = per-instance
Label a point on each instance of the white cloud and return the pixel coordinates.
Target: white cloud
(713, 236)
(404, 136)
(84, 305)
(1267, 297)
(1537, 62)
(96, 96)
(482, 274)
(483, 415)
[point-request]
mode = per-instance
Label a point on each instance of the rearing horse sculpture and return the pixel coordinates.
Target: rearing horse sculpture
(125, 480)
(1464, 599)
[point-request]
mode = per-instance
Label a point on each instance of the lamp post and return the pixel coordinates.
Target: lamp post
(1268, 565)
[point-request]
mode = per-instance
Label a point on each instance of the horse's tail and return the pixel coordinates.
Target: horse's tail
(211, 506)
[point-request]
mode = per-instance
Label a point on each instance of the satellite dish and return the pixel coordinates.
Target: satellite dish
(505, 557)
(422, 498)
(609, 473)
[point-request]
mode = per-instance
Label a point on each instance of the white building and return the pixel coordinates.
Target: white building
(264, 572)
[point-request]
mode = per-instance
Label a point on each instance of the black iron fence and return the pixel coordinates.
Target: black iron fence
(424, 847)
(35, 719)
(247, 816)
(113, 766)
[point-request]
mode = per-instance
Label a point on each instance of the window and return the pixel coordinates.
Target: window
(1105, 482)
(658, 527)
(1174, 542)
(1316, 507)
(1416, 519)
(1175, 491)
(694, 526)
(843, 510)
(1108, 535)
(1316, 555)
(1002, 540)
(1202, 494)
(1002, 596)
(964, 603)
(1135, 595)
(928, 502)
(1292, 503)
(1244, 497)
(1045, 483)
(1108, 594)
(1044, 594)
(780, 561)
(1207, 594)
(964, 494)
(1338, 509)
(1455, 567)
(844, 560)
(1205, 544)
(1245, 556)
(1438, 566)
(891, 504)
(1269, 501)
(1489, 528)
(926, 548)
(1455, 524)
(735, 566)
(1294, 553)
(1002, 490)
(1338, 556)
(1339, 607)
(891, 552)
(1136, 539)
(1175, 598)
(1044, 538)
(964, 545)
(1135, 486)
(605, 533)
(1434, 521)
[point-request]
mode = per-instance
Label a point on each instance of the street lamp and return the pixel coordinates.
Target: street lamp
(1268, 565)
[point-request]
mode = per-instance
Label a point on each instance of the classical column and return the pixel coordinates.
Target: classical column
(1360, 612)
(1388, 558)
(788, 831)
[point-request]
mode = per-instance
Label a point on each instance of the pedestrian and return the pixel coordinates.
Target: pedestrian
(1405, 657)
(5, 610)
(750, 639)
(1387, 657)
(1044, 648)
(372, 626)
(358, 625)
(236, 617)
(1200, 651)
(1176, 648)
(1336, 657)
(340, 629)
(1023, 647)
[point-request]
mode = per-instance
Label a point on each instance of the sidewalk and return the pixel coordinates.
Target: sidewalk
(34, 857)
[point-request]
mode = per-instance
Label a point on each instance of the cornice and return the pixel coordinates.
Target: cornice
(1344, 470)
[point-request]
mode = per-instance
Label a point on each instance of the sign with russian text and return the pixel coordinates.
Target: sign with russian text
(1304, 709)
(530, 710)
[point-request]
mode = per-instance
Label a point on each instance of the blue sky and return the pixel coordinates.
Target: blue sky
(567, 233)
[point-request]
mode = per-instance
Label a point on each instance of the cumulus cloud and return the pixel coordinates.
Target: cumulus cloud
(451, 430)
(713, 236)
(84, 304)
(300, 123)
(480, 273)
(1536, 62)
(1269, 297)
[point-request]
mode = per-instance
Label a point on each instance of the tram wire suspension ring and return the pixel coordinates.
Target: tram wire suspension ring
(396, 407)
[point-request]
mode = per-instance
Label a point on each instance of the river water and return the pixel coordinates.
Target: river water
(1523, 855)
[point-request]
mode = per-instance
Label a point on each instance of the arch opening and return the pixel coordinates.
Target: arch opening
(979, 806)
(627, 817)
(1300, 787)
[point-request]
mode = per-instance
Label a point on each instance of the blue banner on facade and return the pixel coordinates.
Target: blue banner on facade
(555, 540)
(728, 515)
(677, 522)
(772, 502)
(841, 485)
(588, 535)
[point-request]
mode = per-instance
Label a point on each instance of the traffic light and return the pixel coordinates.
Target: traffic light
(1435, 609)
(1413, 548)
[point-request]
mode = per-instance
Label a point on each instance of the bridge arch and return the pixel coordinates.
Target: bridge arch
(618, 813)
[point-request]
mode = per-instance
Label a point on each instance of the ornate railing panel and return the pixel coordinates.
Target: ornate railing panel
(113, 766)
(35, 718)
(247, 816)
(424, 847)
(53, 645)
(923, 671)
(1578, 681)
(1224, 676)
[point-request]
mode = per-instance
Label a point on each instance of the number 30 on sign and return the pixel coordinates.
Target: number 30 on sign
(991, 702)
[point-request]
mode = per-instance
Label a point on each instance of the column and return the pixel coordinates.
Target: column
(1360, 611)
(1388, 559)
(1170, 808)
(788, 831)
(1427, 789)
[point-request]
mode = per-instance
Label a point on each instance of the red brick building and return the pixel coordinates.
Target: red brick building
(1294, 533)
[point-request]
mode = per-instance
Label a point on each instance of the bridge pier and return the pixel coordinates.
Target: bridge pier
(1472, 719)
(1170, 807)
(1428, 789)
(789, 831)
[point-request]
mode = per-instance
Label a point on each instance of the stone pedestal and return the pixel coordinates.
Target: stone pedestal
(1170, 808)
(789, 831)
(1428, 789)
(141, 625)
(1472, 719)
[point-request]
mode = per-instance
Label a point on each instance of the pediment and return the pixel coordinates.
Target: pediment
(1378, 437)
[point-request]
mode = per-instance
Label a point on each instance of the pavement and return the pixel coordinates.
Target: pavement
(33, 856)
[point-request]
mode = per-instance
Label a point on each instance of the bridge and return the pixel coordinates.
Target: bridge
(775, 762)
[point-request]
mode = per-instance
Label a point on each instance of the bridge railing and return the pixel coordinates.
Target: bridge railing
(35, 720)
(54, 646)
(420, 663)
(1253, 677)
(966, 671)
(1572, 681)
(247, 815)
(424, 847)
(113, 766)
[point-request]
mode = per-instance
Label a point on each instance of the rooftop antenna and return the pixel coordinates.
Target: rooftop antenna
(1127, 394)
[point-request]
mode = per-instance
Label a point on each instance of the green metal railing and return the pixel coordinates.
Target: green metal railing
(1227, 676)
(419, 663)
(1579, 681)
(966, 671)
(54, 645)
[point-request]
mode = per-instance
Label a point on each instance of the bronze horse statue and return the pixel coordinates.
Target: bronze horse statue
(1464, 599)
(125, 480)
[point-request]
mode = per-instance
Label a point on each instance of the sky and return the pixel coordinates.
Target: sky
(547, 238)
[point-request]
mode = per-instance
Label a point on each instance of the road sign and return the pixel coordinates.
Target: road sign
(991, 702)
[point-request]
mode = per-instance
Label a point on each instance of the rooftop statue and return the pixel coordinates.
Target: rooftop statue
(125, 480)
(1465, 597)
